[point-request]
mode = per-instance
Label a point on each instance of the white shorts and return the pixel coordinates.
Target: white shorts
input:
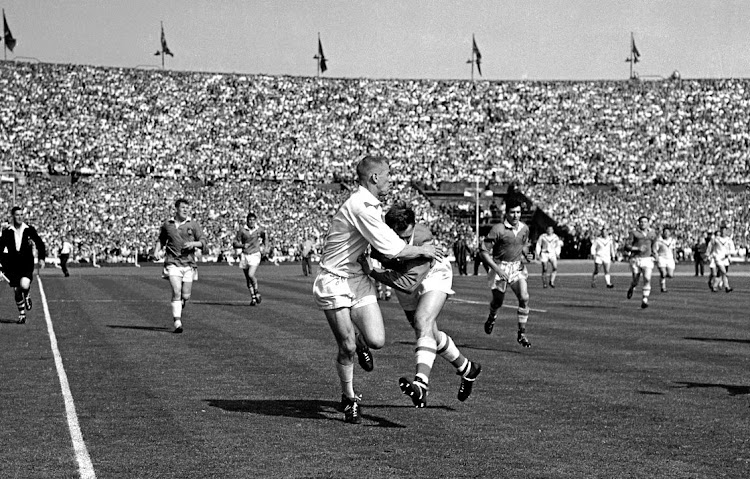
(663, 262)
(602, 260)
(546, 256)
(332, 291)
(247, 260)
(722, 262)
(642, 264)
(188, 274)
(440, 278)
(513, 269)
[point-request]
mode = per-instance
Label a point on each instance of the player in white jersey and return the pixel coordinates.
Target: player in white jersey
(665, 247)
(342, 290)
(720, 250)
(603, 251)
(711, 261)
(548, 248)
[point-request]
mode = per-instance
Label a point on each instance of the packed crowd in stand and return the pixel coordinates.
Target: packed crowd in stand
(276, 144)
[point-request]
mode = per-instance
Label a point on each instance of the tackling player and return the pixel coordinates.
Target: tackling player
(17, 243)
(548, 248)
(502, 250)
(345, 294)
(641, 244)
(247, 244)
(422, 286)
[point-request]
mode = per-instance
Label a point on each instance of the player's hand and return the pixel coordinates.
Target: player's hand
(41, 264)
(432, 252)
(366, 264)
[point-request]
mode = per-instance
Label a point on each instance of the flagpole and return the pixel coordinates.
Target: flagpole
(162, 44)
(631, 55)
(317, 61)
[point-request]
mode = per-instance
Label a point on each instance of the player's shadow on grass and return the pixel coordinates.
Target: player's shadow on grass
(158, 329)
(732, 389)
(719, 340)
(296, 408)
(460, 346)
(9, 321)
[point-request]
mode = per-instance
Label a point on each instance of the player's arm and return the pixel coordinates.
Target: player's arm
(41, 249)
(161, 241)
(485, 253)
(200, 239)
(538, 250)
(384, 239)
(406, 281)
(238, 243)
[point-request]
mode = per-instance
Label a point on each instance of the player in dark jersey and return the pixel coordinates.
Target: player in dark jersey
(17, 243)
(248, 241)
(641, 244)
(422, 286)
(503, 250)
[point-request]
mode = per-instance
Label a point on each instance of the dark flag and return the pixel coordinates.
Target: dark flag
(10, 42)
(477, 55)
(321, 58)
(164, 47)
(634, 50)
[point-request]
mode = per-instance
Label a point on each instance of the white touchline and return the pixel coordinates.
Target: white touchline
(85, 467)
(514, 306)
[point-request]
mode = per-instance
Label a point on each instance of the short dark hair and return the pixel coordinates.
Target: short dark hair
(14, 209)
(181, 201)
(251, 215)
(400, 216)
(512, 203)
(644, 217)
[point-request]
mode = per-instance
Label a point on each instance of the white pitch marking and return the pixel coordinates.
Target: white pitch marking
(85, 467)
(468, 301)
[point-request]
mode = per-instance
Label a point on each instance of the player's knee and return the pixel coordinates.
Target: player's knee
(523, 301)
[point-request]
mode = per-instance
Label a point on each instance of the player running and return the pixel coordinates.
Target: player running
(665, 248)
(247, 244)
(548, 248)
(604, 252)
(502, 250)
(180, 238)
(641, 244)
(17, 242)
(720, 251)
(422, 286)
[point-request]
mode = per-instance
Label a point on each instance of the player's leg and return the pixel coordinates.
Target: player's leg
(521, 290)
(663, 278)
(544, 272)
(593, 275)
(647, 272)
(635, 271)
(724, 278)
(21, 295)
(175, 282)
(498, 296)
(339, 320)
(607, 276)
(553, 275)
(252, 268)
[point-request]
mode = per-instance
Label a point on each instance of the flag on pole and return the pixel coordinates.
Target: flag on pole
(321, 57)
(477, 55)
(634, 51)
(10, 42)
(164, 47)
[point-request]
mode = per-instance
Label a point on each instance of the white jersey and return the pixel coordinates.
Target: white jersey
(603, 248)
(721, 248)
(665, 248)
(549, 244)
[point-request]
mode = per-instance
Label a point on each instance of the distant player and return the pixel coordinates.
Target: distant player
(17, 242)
(180, 238)
(641, 244)
(665, 248)
(503, 250)
(721, 249)
(548, 248)
(422, 286)
(603, 251)
(248, 242)
(342, 290)
(711, 261)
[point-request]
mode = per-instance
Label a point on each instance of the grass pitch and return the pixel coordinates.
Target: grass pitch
(607, 390)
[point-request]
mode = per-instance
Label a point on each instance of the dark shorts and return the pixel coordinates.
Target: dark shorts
(14, 277)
